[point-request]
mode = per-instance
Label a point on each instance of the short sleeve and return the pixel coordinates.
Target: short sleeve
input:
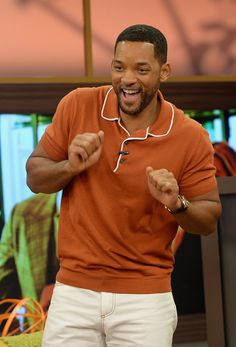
(199, 171)
(55, 140)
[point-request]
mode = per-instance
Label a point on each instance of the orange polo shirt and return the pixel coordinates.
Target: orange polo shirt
(113, 235)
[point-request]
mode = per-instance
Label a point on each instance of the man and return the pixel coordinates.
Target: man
(132, 168)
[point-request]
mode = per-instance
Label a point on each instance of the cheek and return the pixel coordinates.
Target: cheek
(153, 84)
(115, 78)
(148, 81)
(115, 83)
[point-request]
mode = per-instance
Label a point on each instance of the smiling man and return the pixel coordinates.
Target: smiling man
(132, 168)
(136, 77)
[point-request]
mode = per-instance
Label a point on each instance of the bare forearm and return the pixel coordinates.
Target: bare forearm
(200, 218)
(47, 176)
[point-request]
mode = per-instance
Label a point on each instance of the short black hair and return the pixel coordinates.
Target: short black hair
(146, 33)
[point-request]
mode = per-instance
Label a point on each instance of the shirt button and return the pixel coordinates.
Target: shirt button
(126, 142)
(122, 160)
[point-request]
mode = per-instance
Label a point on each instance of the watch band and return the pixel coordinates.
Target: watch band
(184, 205)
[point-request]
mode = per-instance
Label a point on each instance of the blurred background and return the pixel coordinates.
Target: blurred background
(44, 38)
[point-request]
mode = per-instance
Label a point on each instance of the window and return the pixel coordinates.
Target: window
(18, 136)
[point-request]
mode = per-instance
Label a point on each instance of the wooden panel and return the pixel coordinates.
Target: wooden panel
(213, 290)
(201, 95)
(28, 98)
(218, 255)
(191, 328)
(43, 97)
(227, 185)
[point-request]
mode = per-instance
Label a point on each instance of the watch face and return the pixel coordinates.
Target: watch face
(184, 205)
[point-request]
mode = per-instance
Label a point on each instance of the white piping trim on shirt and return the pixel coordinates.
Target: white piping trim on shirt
(117, 118)
(119, 122)
(171, 122)
(104, 104)
(129, 139)
(134, 138)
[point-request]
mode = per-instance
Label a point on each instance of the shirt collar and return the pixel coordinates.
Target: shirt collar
(161, 127)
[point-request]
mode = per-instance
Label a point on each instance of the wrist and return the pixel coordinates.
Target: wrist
(181, 205)
(176, 206)
(70, 170)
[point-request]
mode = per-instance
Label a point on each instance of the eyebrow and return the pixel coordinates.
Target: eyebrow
(139, 64)
(143, 63)
(116, 61)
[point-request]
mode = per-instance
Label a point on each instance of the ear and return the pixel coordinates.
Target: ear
(165, 72)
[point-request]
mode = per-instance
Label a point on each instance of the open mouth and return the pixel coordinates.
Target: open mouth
(130, 95)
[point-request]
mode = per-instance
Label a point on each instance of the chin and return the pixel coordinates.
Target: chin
(130, 111)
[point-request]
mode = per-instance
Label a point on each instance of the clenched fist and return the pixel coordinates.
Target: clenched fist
(84, 151)
(163, 187)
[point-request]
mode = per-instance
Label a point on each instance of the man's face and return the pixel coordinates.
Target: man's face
(135, 75)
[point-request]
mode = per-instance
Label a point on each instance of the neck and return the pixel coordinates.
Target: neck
(143, 119)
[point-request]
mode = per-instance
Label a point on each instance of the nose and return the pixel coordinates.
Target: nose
(128, 77)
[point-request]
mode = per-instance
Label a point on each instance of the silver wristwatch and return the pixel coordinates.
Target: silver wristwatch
(184, 205)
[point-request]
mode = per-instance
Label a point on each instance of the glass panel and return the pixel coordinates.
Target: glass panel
(43, 122)
(214, 129)
(232, 132)
(16, 145)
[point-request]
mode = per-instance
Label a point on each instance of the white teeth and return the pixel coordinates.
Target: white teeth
(129, 91)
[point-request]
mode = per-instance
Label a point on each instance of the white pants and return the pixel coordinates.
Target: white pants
(84, 318)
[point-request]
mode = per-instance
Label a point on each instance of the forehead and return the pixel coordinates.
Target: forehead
(134, 50)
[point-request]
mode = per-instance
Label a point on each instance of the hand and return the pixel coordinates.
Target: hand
(46, 296)
(163, 187)
(84, 151)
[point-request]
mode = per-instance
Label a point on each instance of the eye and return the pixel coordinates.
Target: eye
(118, 68)
(143, 71)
